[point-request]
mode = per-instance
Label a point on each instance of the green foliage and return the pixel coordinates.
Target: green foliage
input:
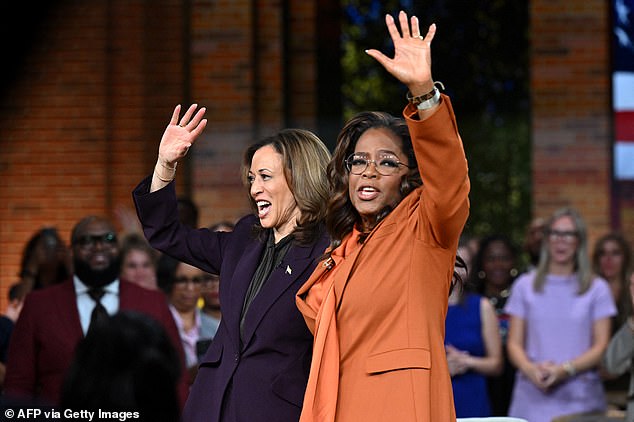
(480, 52)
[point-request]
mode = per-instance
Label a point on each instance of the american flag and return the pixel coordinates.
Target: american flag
(623, 89)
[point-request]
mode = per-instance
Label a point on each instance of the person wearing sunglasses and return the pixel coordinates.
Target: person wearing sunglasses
(377, 302)
(53, 320)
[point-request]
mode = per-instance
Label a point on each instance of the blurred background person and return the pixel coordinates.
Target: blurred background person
(127, 364)
(210, 304)
(46, 260)
(188, 212)
(619, 355)
(182, 283)
(7, 322)
(611, 259)
(533, 241)
(138, 261)
(493, 272)
(560, 327)
(474, 348)
(53, 320)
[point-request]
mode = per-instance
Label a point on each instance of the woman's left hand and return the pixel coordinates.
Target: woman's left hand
(555, 374)
(412, 54)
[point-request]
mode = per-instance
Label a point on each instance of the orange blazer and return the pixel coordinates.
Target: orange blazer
(378, 310)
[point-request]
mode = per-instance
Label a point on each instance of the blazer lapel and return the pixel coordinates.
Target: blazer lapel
(66, 303)
(296, 262)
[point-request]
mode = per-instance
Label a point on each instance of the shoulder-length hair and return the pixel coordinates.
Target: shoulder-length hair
(624, 301)
(477, 278)
(582, 262)
(304, 157)
(623, 244)
(342, 216)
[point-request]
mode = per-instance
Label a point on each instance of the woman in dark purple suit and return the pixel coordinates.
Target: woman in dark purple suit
(256, 368)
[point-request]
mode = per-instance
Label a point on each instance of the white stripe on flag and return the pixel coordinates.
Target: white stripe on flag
(623, 91)
(624, 160)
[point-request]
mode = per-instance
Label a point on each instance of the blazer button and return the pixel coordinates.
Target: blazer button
(237, 357)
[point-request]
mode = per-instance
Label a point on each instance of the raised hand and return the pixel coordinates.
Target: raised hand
(180, 135)
(412, 54)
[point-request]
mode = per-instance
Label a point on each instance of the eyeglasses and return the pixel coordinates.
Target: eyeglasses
(90, 240)
(386, 164)
(199, 279)
(568, 236)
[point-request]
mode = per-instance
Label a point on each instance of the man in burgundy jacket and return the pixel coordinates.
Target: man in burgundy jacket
(56, 318)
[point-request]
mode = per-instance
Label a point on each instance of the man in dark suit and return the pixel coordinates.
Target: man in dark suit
(55, 319)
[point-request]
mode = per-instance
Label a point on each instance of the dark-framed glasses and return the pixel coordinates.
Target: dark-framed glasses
(385, 164)
(565, 235)
(90, 240)
(199, 279)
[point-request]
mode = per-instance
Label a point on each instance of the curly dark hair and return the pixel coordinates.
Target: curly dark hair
(342, 216)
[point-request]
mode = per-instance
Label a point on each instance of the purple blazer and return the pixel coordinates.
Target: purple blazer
(265, 379)
(48, 330)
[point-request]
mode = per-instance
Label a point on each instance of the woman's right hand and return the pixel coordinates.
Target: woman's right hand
(180, 135)
(538, 375)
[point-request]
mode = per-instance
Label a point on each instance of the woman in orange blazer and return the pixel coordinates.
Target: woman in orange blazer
(377, 303)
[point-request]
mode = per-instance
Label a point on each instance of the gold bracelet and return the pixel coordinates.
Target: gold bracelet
(161, 179)
(158, 175)
(168, 167)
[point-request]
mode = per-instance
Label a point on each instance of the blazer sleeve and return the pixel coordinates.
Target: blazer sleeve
(158, 213)
(21, 377)
(443, 167)
(618, 356)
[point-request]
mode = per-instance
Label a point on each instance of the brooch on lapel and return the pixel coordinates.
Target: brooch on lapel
(329, 263)
(288, 269)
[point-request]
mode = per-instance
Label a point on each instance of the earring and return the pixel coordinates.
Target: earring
(482, 275)
(513, 272)
(405, 186)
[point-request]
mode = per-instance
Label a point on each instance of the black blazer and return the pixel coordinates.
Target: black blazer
(265, 381)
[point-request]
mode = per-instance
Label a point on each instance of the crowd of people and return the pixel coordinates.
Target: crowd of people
(351, 292)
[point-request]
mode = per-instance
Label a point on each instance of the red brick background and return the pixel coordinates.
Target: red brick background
(81, 125)
(571, 97)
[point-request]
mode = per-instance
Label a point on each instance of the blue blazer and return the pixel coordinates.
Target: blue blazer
(265, 379)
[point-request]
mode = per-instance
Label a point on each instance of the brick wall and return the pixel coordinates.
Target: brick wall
(82, 123)
(570, 93)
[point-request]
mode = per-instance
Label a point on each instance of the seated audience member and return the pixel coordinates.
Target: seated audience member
(135, 369)
(54, 320)
(7, 321)
(46, 260)
(138, 261)
(474, 349)
(182, 283)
